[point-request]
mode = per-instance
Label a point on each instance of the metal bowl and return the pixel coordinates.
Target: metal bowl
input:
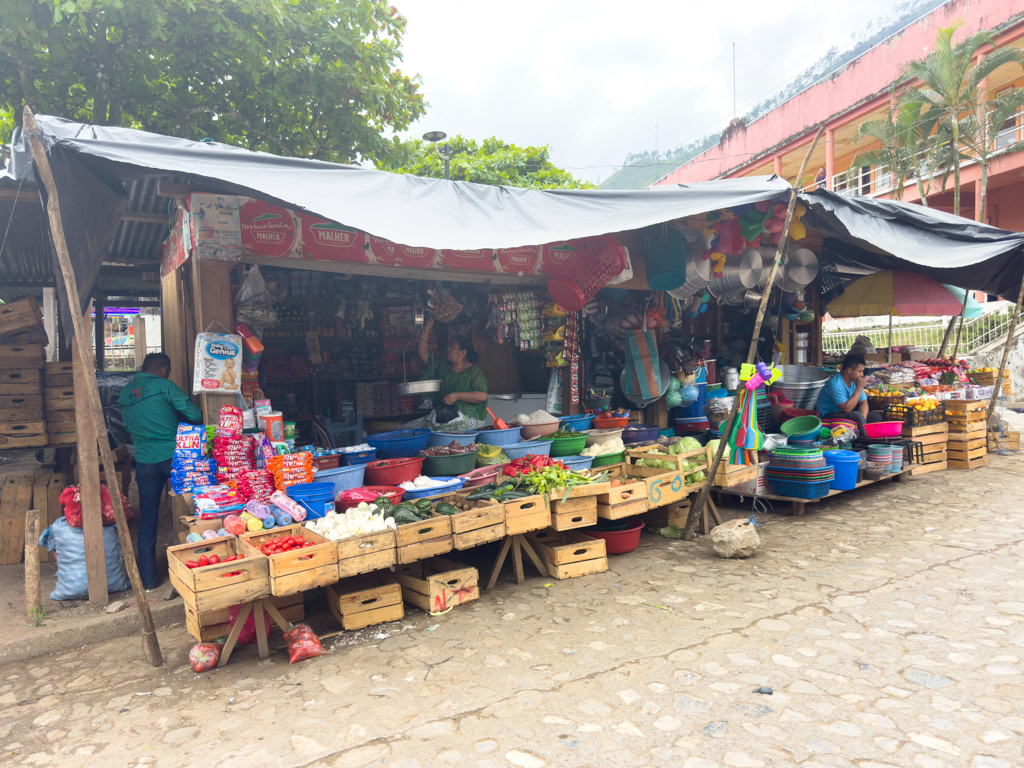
(419, 387)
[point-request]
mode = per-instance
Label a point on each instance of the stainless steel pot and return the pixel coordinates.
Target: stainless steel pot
(740, 273)
(698, 270)
(800, 384)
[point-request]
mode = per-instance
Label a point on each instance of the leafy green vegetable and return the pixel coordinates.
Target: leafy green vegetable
(713, 445)
(687, 444)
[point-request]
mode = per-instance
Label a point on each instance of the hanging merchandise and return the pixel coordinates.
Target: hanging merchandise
(581, 268)
(254, 304)
(444, 307)
(218, 363)
(643, 367)
(516, 317)
(572, 354)
(666, 259)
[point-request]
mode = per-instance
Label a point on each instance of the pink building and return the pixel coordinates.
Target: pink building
(859, 92)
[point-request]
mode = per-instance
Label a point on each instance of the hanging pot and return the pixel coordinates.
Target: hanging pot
(698, 269)
(741, 272)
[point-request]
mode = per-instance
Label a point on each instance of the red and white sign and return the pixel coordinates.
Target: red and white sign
(324, 240)
(267, 230)
(519, 261)
(477, 261)
(561, 259)
(397, 255)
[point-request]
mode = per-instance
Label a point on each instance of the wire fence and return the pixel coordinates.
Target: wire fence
(928, 336)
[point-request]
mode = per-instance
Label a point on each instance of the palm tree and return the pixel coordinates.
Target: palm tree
(978, 132)
(902, 151)
(950, 86)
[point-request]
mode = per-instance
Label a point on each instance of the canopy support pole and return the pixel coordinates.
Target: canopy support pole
(960, 328)
(702, 497)
(92, 410)
(1006, 354)
(947, 336)
(890, 337)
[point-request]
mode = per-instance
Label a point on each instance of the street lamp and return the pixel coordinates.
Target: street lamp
(433, 137)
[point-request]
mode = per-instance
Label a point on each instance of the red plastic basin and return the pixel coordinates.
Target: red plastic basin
(620, 542)
(882, 429)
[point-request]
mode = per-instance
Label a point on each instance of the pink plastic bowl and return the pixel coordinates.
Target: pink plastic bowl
(882, 429)
(482, 475)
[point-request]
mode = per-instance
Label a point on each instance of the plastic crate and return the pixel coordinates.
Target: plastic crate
(358, 457)
(911, 417)
(400, 444)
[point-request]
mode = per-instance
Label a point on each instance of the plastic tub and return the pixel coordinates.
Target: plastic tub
(599, 403)
(400, 444)
(800, 426)
(621, 541)
(481, 475)
(577, 423)
(640, 433)
(611, 458)
(533, 431)
(881, 429)
(450, 465)
(445, 438)
(600, 435)
(568, 446)
(500, 437)
(846, 465)
(316, 498)
(343, 478)
(600, 423)
(358, 457)
(452, 484)
(536, 447)
(576, 463)
(393, 472)
(348, 499)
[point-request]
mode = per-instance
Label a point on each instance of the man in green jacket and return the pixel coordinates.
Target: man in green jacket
(152, 407)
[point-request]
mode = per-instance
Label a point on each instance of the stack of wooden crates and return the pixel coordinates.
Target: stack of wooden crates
(968, 426)
(22, 342)
(934, 439)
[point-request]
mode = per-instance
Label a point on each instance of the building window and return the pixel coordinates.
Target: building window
(1010, 132)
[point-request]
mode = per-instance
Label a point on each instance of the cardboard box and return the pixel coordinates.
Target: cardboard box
(757, 486)
(918, 355)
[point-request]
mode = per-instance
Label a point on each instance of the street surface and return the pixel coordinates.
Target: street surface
(887, 623)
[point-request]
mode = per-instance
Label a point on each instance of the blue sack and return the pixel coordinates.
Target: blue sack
(69, 545)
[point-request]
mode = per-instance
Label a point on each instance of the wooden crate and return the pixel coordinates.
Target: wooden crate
(569, 554)
(626, 499)
(208, 626)
(59, 380)
(21, 382)
(479, 522)
(966, 441)
(15, 501)
(1007, 441)
(214, 587)
(366, 553)
(924, 469)
(61, 427)
(666, 487)
(23, 434)
(674, 514)
(917, 432)
(976, 426)
(301, 569)
(366, 600)
(428, 538)
(59, 368)
(729, 475)
(936, 438)
(955, 453)
(22, 356)
(531, 513)
(574, 513)
(191, 524)
(22, 408)
(963, 415)
(437, 584)
(58, 398)
(976, 463)
(19, 315)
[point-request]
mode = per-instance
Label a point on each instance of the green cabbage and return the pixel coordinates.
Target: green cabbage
(713, 445)
(687, 444)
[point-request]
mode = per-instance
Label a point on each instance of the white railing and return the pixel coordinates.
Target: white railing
(928, 336)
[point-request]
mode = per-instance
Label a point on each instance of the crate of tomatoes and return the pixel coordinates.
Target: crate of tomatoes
(298, 558)
(215, 573)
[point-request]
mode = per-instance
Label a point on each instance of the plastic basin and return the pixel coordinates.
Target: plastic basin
(342, 478)
(622, 541)
(449, 466)
(316, 498)
(600, 435)
(445, 438)
(568, 446)
(481, 475)
(400, 444)
(640, 433)
(611, 458)
(577, 423)
(600, 423)
(348, 499)
(535, 447)
(533, 431)
(393, 472)
(846, 465)
(576, 463)
(802, 425)
(881, 429)
(451, 484)
(500, 437)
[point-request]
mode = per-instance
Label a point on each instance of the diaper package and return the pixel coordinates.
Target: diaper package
(218, 363)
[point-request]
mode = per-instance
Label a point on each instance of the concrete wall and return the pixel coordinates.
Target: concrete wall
(863, 82)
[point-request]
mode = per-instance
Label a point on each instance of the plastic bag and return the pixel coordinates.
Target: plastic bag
(302, 644)
(69, 545)
(255, 304)
(248, 634)
(204, 656)
(500, 458)
(71, 498)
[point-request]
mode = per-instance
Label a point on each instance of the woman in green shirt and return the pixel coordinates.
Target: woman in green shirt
(463, 384)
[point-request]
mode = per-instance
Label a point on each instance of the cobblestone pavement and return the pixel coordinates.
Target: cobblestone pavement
(888, 625)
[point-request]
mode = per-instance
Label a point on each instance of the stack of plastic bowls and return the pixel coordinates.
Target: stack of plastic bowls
(897, 459)
(879, 461)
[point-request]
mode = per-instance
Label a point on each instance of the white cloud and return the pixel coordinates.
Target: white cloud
(592, 78)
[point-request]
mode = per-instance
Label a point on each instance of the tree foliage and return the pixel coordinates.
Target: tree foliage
(306, 78)
(492, 162)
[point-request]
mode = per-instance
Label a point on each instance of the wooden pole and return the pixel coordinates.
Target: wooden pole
(890, 337)
(33, 604)
(698, 505)
(140, 340)
(960, 328)
(948, 335)
(89, 481)
(1006, 354)
(92, 410)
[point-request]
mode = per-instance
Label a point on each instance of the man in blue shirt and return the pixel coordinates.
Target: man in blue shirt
(843, 395)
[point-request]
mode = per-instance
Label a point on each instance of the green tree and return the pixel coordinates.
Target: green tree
(492, 162)
(950, 88)
(306, 78)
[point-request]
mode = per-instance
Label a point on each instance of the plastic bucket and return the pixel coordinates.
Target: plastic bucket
(316, 498)
(846, 465)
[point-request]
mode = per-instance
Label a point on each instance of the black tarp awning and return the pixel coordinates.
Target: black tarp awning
(92, 163)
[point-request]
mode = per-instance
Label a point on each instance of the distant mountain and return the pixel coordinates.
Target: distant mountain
(643, 169)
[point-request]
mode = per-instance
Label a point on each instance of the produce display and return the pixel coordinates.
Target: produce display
(205, 560)
(529, 463)
(407, 511)
(452, 449)
(537, 417)
(606, 448)
(506, 489)
(355, 521)
(685, 445)
(561, 433)
(923, 403)
(422, 482)
(279, 544)
(530, 481)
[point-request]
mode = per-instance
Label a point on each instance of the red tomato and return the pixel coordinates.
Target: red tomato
(308, 544)
(191, 564)
(203, 560)
(214, 559)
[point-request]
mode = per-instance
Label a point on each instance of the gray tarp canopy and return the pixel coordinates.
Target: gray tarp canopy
(92, 164)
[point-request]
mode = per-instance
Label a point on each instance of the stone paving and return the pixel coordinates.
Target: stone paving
(885, 628)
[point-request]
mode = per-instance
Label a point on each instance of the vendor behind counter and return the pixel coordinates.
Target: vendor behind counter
(461, 403)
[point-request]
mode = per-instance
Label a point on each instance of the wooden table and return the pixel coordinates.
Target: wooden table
(256, 607)
(799, 505)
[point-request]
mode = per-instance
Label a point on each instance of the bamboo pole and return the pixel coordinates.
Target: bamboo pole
(702, 497)
(92, 410)
(890, 337)
(1006, 354)
(947, 336)
(960, 328)
(33, 603)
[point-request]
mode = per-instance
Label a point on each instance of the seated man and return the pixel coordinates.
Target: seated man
(843, 395)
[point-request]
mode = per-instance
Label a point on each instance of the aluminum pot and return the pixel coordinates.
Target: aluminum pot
(740, 273)
(800, 384)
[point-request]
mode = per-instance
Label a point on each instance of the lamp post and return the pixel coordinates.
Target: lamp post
(435, 136)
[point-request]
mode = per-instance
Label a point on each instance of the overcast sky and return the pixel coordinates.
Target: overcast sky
(592, 78)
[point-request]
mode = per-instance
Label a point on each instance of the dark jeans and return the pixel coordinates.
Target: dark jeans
(854, 415)
(151, 479)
